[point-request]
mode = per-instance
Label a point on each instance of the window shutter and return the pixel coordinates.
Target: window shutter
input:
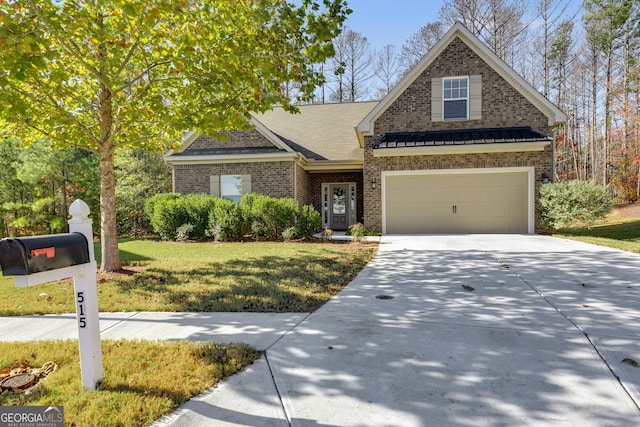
(436, 100)
(475, 97)
(214, 185)
(246, 184)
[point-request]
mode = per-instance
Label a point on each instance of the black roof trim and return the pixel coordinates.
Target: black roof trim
(460, 137)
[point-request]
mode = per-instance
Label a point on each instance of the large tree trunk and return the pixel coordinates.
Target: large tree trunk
(108, 230)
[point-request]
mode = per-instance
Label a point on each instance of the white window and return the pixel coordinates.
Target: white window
(231, 187)
(455, 98)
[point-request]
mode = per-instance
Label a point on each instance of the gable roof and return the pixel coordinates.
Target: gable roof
(554, 114)
(320, 131)
(190, 137)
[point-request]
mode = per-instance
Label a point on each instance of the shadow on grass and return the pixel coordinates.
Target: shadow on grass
(265, 284)
(127, 258)
(624, 231)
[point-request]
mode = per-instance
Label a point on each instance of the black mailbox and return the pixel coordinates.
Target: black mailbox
(21, 256)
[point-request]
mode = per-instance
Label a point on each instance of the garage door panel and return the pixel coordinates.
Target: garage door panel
(457, 203)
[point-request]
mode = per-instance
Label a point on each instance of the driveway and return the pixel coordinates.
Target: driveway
(475, 330)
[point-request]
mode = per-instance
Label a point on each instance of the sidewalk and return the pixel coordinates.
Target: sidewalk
(259, 330)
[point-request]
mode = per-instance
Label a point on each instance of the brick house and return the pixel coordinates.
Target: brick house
(457, 146)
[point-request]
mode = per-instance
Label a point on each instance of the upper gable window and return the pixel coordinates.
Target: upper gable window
(455, 98)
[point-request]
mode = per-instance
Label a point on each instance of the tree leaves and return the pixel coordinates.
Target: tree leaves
(114, 73)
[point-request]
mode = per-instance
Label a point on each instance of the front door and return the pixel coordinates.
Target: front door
(339, 206)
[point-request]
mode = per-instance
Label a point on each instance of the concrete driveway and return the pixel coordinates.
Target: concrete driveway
(546, 333)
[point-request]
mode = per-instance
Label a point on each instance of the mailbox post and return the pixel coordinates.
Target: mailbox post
(86, 295)
(42, 259)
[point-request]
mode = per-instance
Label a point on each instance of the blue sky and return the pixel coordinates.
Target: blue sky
(394, 21)
(391, 21)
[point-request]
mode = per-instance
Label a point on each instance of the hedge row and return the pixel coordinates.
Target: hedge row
(201, 217)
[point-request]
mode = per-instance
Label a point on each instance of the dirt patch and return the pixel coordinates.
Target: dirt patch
(631, 210)
(127, 271)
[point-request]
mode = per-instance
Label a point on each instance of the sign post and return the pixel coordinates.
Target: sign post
(86, 295)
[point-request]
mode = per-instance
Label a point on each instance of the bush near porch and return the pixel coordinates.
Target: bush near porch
(255, 217)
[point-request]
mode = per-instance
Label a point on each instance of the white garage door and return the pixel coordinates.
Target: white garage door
(457, 203)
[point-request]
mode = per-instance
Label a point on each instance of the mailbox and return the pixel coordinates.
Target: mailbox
(22, 256)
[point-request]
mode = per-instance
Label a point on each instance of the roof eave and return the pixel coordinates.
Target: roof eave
(231, 158)
(333, 166)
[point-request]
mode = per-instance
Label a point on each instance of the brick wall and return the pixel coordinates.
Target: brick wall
(275, 179)
(303, 186)
(502, 106)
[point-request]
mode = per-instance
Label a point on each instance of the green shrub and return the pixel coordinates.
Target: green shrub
(308, 222)
(267, 216)
(166, 213)
(226, 221)
(199, 216)
(564, 204)
(158, 199)
(289, 233)
(197, 208)
(358, 231)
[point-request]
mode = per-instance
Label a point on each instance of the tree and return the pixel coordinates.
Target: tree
(108, 74)
(419, 44)
(352, 67)
(498, 22)
(387, 67)
(549, 12)
(140, 174)
(605, 23)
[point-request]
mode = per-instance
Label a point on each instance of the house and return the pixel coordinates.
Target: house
(458, 146)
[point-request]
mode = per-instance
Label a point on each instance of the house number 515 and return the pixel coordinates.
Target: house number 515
(82, 320)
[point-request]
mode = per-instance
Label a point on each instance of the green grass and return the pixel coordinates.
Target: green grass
(618, 234)
(142, 380)
(203, 277)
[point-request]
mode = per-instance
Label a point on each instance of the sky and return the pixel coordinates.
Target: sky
(391, 21)
(394, 21)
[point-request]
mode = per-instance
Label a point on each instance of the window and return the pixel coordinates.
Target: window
(231, 187)
(455, 97)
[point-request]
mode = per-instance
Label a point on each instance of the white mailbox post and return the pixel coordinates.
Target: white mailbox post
(86, 294)
(43, 259)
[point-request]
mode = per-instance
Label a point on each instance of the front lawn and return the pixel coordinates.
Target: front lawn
(618, 233)
(203, 277)
(142, 380)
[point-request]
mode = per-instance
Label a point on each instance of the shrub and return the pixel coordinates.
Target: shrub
(184, 232)
(156, 200)
(166, 214)
(267, 216)
(197, 208)
(564, 204)
(289, 233)
(308, 222)
(226, 221)
(358, 231)
(199, 216)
